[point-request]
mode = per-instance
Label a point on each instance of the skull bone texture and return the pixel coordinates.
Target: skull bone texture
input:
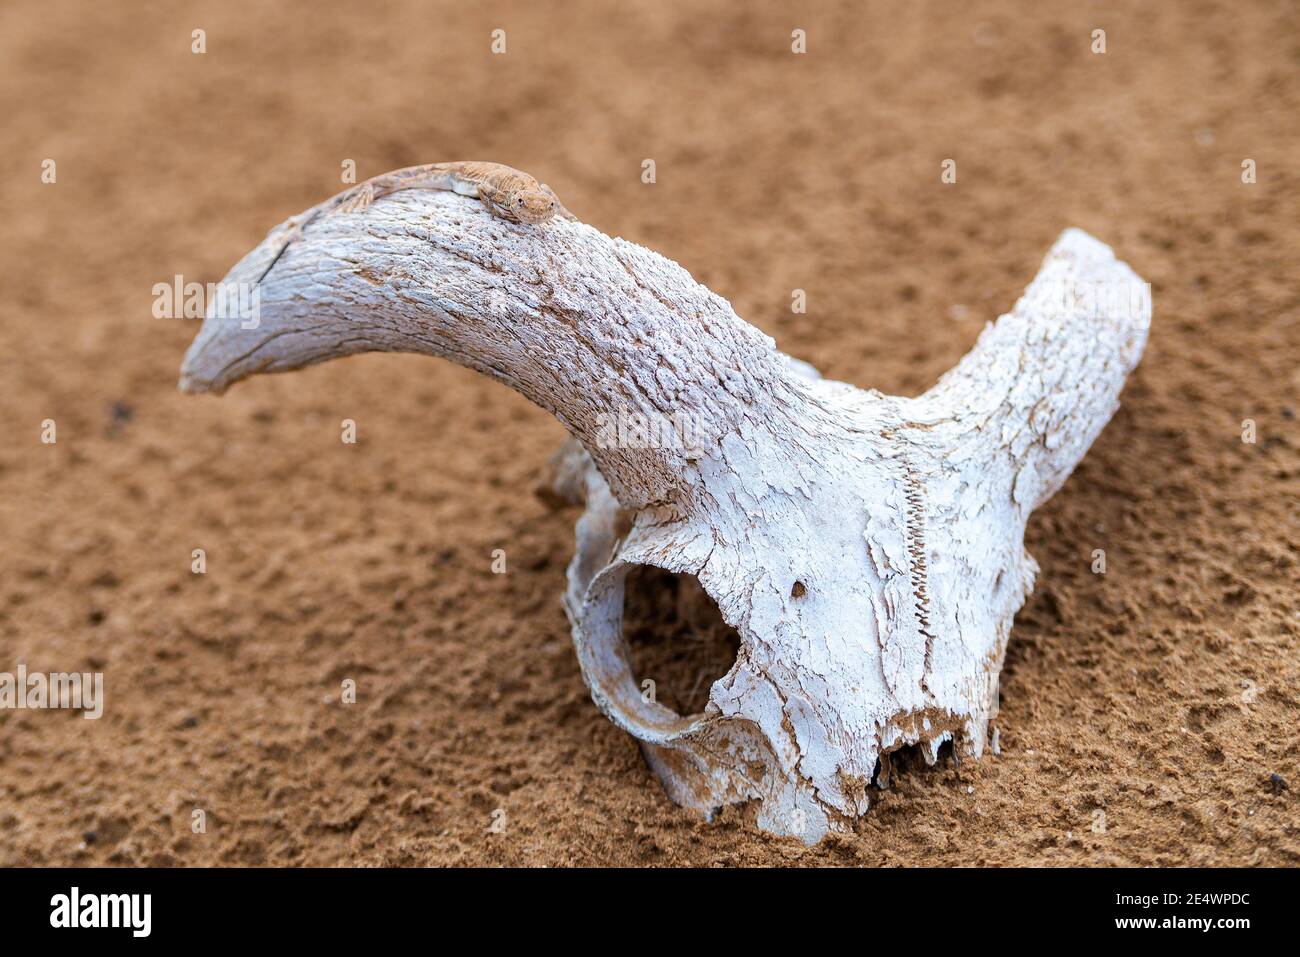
(867, 549)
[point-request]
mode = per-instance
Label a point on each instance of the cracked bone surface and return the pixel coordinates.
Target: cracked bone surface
(868, 549)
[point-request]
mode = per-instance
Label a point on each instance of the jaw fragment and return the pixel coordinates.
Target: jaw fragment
(868, 549)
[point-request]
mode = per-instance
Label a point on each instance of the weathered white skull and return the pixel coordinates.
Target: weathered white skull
(867, 549)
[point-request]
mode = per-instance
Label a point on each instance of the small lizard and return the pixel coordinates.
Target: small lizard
(507, 192)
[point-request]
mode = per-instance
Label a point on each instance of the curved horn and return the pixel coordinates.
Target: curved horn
(1043, 381)
(588, 327)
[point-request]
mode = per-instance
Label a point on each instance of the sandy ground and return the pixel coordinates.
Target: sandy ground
(1143, 710)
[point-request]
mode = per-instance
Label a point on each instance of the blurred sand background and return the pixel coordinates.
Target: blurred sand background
(1163, 694)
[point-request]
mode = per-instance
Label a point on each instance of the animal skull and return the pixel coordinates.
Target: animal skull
(868, 549)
